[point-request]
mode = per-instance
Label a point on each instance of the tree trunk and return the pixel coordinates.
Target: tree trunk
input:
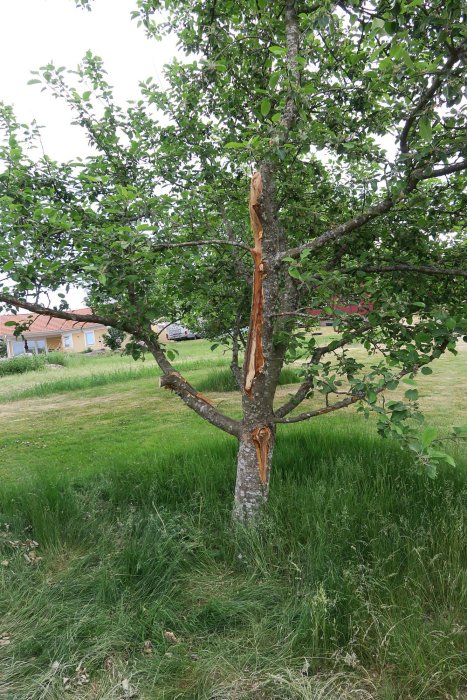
(263, 359)
(253, 471)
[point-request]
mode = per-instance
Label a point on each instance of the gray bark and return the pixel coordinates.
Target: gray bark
(250, 491)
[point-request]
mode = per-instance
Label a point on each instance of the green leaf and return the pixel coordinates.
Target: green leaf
(428, 435)
(277, 50)
(409, 380)
(426, 370)
(265, 107)
(274, 79)
(377, 23)
(234, 144)
(411, 394)
(450, 460)
(399, 52)
(425, 128)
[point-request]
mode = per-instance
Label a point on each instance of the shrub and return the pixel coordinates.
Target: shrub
(57, 358)
(114, 338)
(24, 363)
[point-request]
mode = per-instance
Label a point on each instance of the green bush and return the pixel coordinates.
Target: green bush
(57, 358)
(24, 363)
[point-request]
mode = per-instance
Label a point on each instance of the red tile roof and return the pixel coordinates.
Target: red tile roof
(361, 309)
(43, 324)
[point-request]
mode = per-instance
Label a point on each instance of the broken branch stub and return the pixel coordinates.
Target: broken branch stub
(254, 358)
(167, 382)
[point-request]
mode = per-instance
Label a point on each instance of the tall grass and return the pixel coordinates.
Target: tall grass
(354, 578)
(223, 379)
(80, 382)
(58, 358)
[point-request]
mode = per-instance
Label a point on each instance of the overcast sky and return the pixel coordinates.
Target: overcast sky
(36, 32)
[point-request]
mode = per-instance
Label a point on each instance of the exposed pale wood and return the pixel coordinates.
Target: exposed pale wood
(254, 358)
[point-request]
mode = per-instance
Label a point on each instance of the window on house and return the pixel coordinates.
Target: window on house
(89, 337)
(67, 341)
(18, 347)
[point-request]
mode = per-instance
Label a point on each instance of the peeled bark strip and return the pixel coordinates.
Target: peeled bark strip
(251, 491)
(254, 358)
(261, 438)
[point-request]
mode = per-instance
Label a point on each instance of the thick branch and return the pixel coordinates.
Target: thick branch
(234, 365)
(319, 411)
(66, 315)
(340, 404)
(172, 379)
(377, 210)
(424, 100)
(305, 387)
(190, 244)
(438, 172)
(421, 269)
(292, 36)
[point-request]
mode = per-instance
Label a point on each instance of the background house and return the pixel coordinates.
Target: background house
(361, 309)
(47, 333)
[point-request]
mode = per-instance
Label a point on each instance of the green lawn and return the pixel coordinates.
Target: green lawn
(356, 575)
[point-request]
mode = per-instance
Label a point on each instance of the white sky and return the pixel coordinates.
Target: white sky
(36, 32)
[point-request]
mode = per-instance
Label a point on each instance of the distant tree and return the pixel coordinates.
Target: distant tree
(114, 338)
(350, 117)
(3, 348)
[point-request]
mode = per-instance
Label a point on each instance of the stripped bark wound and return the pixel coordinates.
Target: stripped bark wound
(261, 438)
(254, 359)
(166, 384)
